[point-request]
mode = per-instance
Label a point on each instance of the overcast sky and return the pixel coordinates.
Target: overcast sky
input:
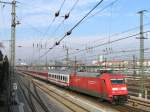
(36, 25)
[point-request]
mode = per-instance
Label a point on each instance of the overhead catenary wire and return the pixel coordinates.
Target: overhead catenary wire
(107, 6)
(62, 5)
(115, 34)
(56, 15)
(117, 52)
(104, 8)
(53, 20)
(66, 16)
(70, 31)
(74, 5)
(120, 33)
(58, 12)
(108, 42)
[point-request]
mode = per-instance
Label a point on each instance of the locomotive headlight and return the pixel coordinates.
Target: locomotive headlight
(123, 88)
(114, 89)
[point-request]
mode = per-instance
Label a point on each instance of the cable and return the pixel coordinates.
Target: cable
(120, 33)
(107, 6)
(62, 5)
(66, 16)
(57, 28)
(53, 20)
(116, 34)
(74, 5)
(118, 52)
(113, 41)
(70, 31)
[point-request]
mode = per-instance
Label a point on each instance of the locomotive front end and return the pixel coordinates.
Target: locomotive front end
(119, 90)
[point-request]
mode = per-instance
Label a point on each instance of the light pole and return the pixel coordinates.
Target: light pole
(142, 85)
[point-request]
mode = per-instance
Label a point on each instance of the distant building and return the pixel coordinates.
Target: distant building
(121, 63)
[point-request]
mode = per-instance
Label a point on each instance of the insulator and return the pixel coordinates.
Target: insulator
(67, 16)
(57, 43)
(68, 33)
(57, 14)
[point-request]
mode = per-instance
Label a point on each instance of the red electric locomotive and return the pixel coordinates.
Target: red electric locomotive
(105, 86)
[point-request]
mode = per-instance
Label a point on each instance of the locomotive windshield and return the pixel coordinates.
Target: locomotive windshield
(117, 81)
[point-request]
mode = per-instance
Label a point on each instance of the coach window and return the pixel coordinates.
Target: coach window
(63, 78)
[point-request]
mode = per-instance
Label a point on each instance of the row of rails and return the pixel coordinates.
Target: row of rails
(62, 98)
(134, 86)
(32, 98)
(134, 104)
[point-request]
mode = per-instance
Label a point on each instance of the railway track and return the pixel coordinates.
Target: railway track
(26, 98)
(31, 97)
(127, 108)
(141, 104)
(74, 107)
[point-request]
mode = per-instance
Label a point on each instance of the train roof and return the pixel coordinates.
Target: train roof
(85, 74)
(69, 72)
(66, 72)
(88, 74)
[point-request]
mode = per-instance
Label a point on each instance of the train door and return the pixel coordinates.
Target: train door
(104, 88)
